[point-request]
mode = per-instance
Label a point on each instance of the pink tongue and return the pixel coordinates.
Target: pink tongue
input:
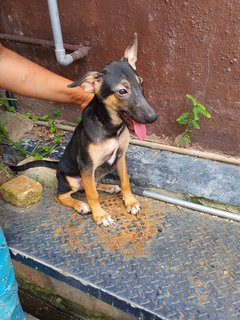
(140, 130)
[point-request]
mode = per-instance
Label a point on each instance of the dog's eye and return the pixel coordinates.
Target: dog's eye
(122, 92)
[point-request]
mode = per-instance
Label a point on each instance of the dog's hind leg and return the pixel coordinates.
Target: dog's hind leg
(100, 216)
(109, 188)
(132, 205)
(66, 200)
(66, 187)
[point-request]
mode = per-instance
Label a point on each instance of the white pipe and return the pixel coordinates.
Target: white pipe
(187, 204)
(61, 56)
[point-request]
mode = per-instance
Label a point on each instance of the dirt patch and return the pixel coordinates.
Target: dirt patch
(130, 236)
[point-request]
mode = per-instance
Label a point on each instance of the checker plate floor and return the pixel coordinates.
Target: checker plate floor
(166, 263)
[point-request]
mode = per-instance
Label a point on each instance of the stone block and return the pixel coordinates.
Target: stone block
(21, 191)
(46, 176)
(15, 124)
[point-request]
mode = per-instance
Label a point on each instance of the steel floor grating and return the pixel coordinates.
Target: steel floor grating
(166, 263)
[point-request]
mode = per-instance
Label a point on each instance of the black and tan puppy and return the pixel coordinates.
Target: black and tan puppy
(100, 141)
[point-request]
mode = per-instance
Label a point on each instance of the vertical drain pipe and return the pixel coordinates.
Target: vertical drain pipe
(61, 56)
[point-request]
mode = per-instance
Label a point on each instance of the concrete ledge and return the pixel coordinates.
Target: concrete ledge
(203, 181)
(196, 177)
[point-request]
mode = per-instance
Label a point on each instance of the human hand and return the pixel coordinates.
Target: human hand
(83, 98)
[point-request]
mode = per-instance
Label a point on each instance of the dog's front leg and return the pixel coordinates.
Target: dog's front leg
(132, 205)
(100, 216)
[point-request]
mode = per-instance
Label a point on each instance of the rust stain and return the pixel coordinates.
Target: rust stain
(58, 231)
(130, 236)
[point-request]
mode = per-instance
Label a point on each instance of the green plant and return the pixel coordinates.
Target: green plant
(78, 119)
(4, 134)
(4, 170)
(191, 119)
(57, 138)
(4, 103)
(56, 113)
(38, 152)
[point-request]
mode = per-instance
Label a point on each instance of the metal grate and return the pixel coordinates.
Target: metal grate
(166, 263)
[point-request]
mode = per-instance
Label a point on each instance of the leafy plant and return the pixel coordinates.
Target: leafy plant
(78, 119)
(38, 152)
(191, 119)
(56, 113)
(4, 103)
(4, 170)
(4, 134)
(57, 139)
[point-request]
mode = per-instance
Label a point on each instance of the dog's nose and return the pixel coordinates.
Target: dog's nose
(151, 117)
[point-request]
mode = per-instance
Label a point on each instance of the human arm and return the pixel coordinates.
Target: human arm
(24, 77)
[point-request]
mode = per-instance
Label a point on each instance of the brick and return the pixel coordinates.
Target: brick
(21, 191)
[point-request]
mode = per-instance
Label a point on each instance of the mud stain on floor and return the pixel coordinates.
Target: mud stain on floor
(131, 235)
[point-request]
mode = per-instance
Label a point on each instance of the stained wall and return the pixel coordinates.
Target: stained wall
(184, 47)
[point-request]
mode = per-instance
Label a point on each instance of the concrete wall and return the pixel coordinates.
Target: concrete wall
(184, 47)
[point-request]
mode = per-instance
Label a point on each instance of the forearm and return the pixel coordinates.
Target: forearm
(29, 79)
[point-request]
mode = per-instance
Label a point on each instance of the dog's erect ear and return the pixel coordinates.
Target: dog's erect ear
(90, 82)
(130, 53)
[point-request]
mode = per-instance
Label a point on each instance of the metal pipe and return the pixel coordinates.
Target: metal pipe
(34, 41)
(186, 204)
(61, 56)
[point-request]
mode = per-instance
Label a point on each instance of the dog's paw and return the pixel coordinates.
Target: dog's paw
(134, 209)
(114, 189)
(132, 205)
(103, 218)
(109, 188)
(81, 207)
(106, 221)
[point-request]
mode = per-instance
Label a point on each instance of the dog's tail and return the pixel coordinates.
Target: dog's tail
(34, 164)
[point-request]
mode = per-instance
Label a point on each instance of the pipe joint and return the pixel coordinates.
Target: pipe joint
(61, 56)
(80, 53)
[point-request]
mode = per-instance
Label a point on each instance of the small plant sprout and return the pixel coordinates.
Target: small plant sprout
(39, 151)
(191, 119)
(4, 103)
(5, 171)
(78, 119)
(56, 112)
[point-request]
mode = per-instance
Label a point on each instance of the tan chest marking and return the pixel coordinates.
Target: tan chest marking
(100, 153)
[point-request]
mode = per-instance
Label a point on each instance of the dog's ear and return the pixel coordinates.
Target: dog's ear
(130, 53)
(90, 82)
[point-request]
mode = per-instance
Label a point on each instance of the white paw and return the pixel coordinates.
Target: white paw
(115, 189)
(106, 222)
(134, 209)
(82, 208)
(85, 208)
